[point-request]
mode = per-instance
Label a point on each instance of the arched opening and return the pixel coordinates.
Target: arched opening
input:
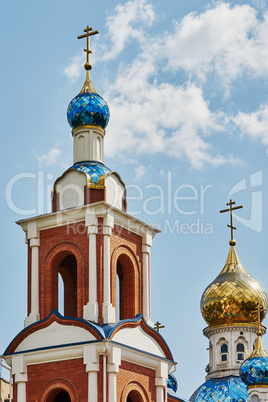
(224, 352)
(240, 349)
(134, 396)
(58, 395)
(65, 297)
(255, 398)
(126, 301)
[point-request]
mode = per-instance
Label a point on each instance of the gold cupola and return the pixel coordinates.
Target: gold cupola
(234, 296)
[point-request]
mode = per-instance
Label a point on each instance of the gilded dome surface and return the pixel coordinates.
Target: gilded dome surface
(233, 295)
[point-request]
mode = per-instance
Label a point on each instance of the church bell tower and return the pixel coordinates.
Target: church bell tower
(103, 346)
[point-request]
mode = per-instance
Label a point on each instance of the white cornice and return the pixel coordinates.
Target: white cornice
(75, 215)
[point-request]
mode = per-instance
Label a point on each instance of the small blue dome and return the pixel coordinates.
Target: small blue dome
(227, 389)
(88, 108)
(254, 371)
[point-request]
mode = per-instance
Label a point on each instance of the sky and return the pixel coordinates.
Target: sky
(186, 84)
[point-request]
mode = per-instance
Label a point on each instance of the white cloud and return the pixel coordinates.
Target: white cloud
(50, 158)
(151, 118)
(140, 172)
(125, 24)
(254, 125)
(75, 67)
(225, 40)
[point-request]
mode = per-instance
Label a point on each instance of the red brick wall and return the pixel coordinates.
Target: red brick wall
(41, 377)
(132, 374)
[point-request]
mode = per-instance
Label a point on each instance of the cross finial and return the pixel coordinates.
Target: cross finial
(158, 325)
(259, 309)
(87, 35)
(231, 226)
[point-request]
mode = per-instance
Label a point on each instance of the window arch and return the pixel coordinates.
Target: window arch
(255, 398)
(224, 352)
(134, 396)
(65, 265)
(126, 282)
(240, 351)
(67, 261)
(58, 396)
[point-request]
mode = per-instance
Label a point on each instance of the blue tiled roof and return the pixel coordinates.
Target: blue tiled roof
(92, 168)
(227, 389)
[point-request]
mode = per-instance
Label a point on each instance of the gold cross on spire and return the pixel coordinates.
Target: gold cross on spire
(158, 325)
(87, 35)
(231, 226)
(259, 309)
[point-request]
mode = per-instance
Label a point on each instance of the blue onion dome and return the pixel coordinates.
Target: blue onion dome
(254, 370)
(226, 389)
(88, 107)
(233, 296)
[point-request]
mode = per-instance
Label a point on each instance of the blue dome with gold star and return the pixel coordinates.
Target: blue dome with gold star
(226, 389)
(88, 108)
(254, 370)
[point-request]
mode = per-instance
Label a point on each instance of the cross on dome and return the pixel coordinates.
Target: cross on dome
(231, 226)
(87, 35)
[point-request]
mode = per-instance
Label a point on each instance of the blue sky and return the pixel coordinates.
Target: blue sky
(186, 83)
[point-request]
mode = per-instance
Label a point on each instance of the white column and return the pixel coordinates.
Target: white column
(114, 361)
(91, 308)
(161, 381)
(91, 360)
(108, 311)
(34, 242)
(146, 245)
(19, 369)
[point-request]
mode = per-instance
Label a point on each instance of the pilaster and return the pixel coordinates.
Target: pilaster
(91, 360)
(19, 370)
(34, 242)
(146, 246)
(91, 309)
(161, 382)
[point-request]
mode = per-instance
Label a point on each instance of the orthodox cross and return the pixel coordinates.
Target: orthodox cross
(259, 309)
(87, 35)
(158, 325)
(231, 226)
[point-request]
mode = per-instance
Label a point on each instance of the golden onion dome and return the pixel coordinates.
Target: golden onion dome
(233, 295)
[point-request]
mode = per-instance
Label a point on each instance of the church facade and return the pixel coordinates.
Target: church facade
(104, 346)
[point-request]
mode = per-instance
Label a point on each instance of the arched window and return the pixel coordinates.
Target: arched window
(126, 292)
(134, 396)
(224, 352)
(65, 266)
(58, 396)
(240, 349)
(255, 398)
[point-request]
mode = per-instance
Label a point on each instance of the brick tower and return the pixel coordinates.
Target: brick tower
(103, 347)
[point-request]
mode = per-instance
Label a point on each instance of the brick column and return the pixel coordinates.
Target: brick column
(91, 360)
(91, 308)
(146, 246)
(19, 369)
(34, 241)
(161, 382)
(108, 311)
